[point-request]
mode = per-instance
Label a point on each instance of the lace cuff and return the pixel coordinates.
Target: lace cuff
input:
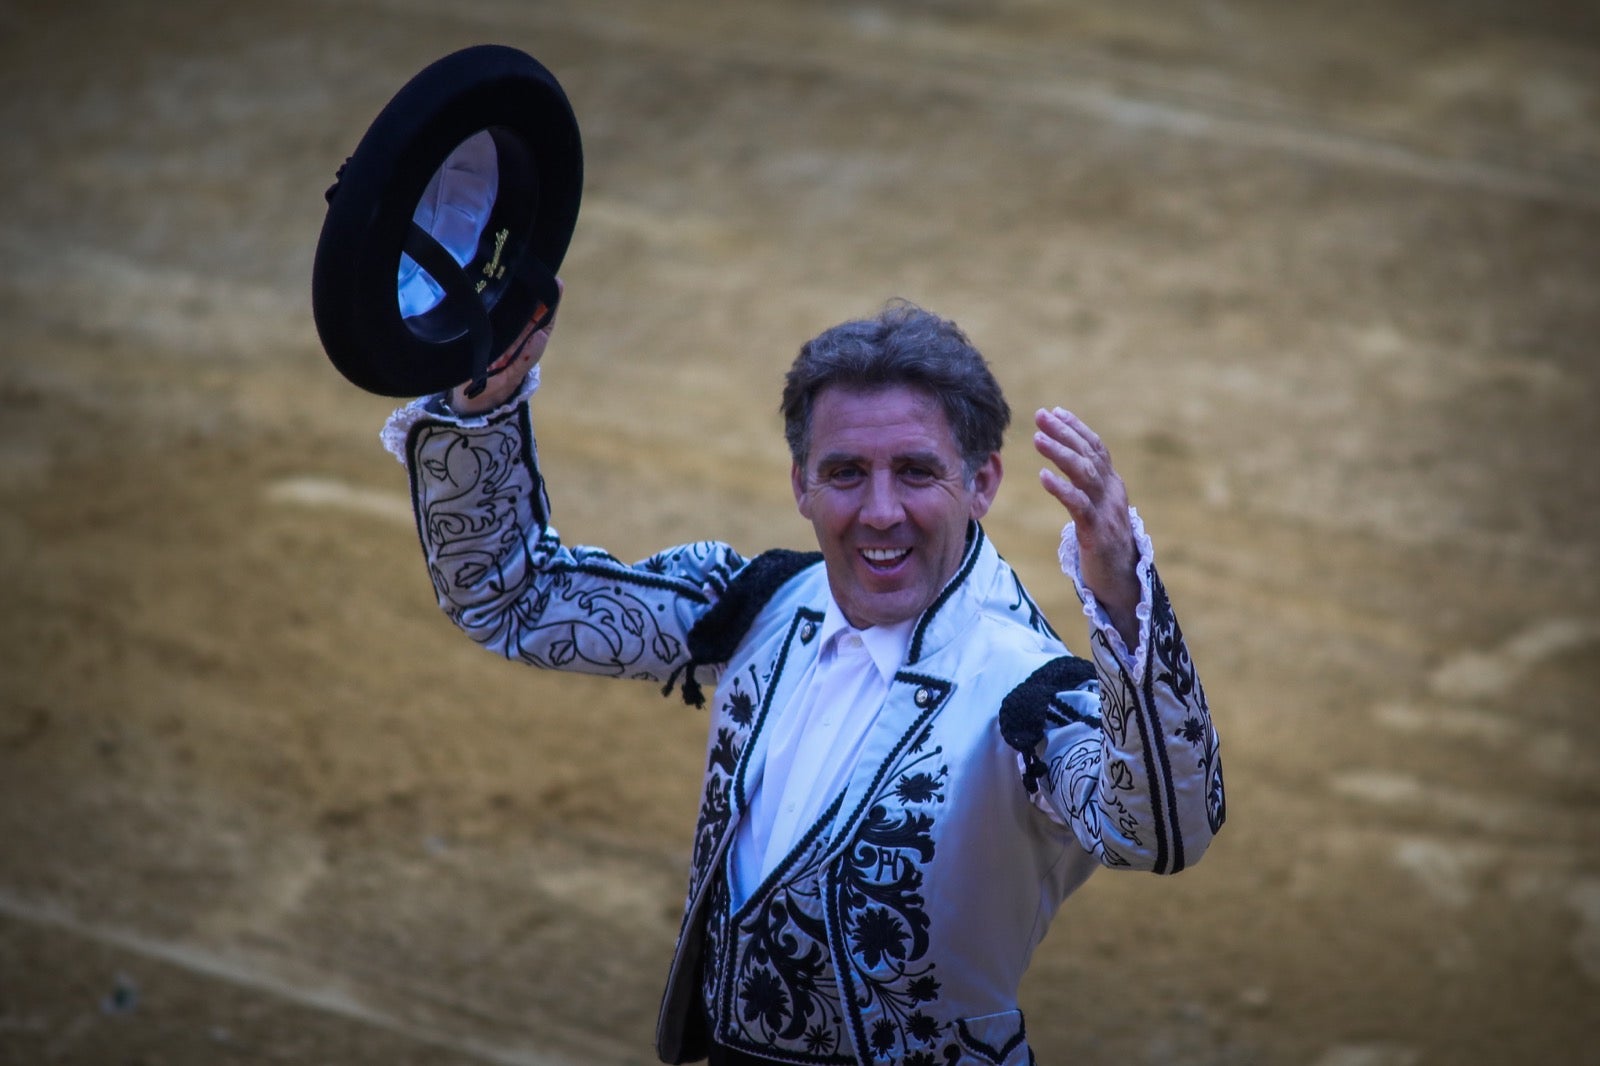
(435, 407)
(1132, 660)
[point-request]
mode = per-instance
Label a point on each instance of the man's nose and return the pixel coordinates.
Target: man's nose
(882, 508)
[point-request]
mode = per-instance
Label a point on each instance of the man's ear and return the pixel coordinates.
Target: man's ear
(797, 480)
(986, 484)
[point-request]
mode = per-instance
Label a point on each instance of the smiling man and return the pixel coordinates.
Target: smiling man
(890, 498)
(907, 771)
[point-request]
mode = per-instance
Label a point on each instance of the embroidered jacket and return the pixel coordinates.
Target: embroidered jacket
(1001, 772)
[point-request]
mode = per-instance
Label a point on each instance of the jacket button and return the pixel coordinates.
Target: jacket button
(807, 631)
(924, 697)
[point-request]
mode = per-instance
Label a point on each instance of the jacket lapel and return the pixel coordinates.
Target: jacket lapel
(914, 701)
(795, 656)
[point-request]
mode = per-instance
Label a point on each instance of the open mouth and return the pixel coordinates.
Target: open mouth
(884, 558)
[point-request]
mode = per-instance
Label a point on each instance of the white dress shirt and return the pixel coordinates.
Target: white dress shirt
(815, 741)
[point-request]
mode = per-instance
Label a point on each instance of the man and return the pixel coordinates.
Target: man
(906, 771)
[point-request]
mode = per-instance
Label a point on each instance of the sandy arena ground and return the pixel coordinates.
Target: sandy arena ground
(1326, 275)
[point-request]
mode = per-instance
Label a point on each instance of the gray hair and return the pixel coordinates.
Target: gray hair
(902, 345)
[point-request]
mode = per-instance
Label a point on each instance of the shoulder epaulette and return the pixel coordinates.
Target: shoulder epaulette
(718, 633)
(1027, 712)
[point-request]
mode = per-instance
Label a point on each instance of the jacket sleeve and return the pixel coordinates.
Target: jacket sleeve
(1128, 757)
(502, 574)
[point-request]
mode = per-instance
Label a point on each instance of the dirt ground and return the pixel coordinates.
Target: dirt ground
(1326, 276)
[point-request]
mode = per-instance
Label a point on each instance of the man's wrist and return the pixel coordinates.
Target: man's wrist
(453, 402)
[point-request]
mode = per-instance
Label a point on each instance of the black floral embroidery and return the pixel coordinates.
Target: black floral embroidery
(714, 937)
(785, 954)
(722, 762)
(503, 576)
(782, 958)
(1176, 669)
(1216, 801)
(724, 753)
(882, 913)
(883, 882)
(923, 1028)
(1118, 695)
(741, 707)
(778, 953)
(1090, 797)
(1024, 602)
(764, 1000)
(883, 1034)
(821, 1040)
(879, 935)
(714, 814)
(918, 788)
(1177, 673)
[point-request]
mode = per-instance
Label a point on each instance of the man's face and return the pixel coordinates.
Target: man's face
(886, 491)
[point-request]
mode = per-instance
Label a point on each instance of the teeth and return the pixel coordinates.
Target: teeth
(883, 555)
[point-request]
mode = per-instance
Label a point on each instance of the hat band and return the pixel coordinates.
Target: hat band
(459, 294)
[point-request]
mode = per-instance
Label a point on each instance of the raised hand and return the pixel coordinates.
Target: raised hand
(507, 371)
(1091, 490)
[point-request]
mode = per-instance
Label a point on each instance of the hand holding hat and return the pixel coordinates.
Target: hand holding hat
(514, 364)
(447, 224)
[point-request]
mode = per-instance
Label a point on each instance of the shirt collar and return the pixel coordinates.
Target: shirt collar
(886, 644)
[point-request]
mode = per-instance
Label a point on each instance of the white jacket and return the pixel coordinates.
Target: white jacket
(1000, 773)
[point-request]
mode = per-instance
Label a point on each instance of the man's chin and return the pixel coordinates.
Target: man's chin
(885, 608)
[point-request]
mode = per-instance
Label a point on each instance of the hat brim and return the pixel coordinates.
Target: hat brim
(369, 224)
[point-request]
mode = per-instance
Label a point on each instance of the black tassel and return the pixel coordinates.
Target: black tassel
(1035, 770)
(693, 694)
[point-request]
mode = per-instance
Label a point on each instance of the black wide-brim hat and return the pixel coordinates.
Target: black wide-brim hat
(446, 226)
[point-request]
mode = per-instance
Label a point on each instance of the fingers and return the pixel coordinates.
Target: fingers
(516, 351)
(1084, 480)
(506, 373)
(528, 346)
(1072, 434)
(1076, 451)
(1089, 487)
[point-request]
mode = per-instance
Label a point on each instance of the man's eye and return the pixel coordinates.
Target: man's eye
(844, 475)
(917, 474)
